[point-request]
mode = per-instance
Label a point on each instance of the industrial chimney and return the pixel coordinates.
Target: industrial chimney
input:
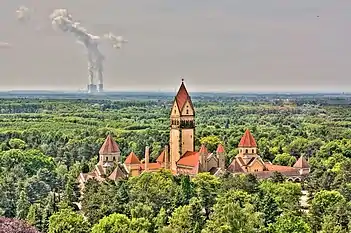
(147, 158)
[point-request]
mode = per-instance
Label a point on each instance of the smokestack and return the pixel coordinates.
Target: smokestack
(166, 157)
(91, 88)
(147, 157)
(64, 21)
(100, 87)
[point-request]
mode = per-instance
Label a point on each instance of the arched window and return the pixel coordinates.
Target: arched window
(106, 158)
(114, 158)
(247, 151)
(187, 111)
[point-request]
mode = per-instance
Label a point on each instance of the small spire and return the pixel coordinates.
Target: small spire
(182, 80)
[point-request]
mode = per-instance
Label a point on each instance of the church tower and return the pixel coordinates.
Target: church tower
(182, 131)
(109, 152)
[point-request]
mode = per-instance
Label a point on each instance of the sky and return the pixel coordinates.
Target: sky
(215, 45)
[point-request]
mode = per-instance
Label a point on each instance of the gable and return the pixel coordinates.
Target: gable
(256, 164)
(175, 110)
(188, 109)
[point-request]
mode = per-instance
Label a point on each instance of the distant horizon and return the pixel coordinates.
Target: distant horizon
(170, 91)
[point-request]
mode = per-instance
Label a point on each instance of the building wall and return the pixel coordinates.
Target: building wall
(187, 140)
(247, 150)
(174, 147)
(109, 158)
(256, 167)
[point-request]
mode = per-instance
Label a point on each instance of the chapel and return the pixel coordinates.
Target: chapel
(180, 156)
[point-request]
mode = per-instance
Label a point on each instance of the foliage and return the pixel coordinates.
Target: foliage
(10, 225)
(290, 223)
(66, 221)
(119, 223)
(46, 143)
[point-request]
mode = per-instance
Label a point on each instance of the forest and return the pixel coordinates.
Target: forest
(46, 143)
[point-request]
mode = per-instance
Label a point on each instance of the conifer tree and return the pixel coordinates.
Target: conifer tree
(22, 206)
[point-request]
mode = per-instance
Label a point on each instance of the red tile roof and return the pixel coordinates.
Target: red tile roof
(301, 163)
(161, 157)
(132, 159)
(279, 168)
(109, 146)
(247, 140)
(182, 97)
(203, 149)
(189, 159)
(220, 149)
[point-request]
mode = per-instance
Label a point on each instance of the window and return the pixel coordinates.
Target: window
(106, 158)
(187, 111)
(247, 151)
(114, 158)
(175, 111)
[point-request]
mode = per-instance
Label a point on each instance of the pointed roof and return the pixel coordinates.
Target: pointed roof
(182, 96)
(132, 159)
(247, 140)
(203, 149)
(161, 157)
(235, 166)
(301, 163)
(118, 172)
(220, 149)
(109, 146)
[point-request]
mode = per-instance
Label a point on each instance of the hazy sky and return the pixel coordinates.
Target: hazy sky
(228, 45)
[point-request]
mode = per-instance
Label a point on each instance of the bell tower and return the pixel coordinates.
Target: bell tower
(182, 121)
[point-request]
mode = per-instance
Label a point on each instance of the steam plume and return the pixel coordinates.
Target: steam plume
(116, 41)
(5, 45)
(23, 13)
(62, 20)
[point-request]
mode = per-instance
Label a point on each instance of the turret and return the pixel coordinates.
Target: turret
(109, 152)
(203, 153)
(221, 156)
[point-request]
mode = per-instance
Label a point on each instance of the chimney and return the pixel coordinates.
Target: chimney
(166, 157)
(147, 157)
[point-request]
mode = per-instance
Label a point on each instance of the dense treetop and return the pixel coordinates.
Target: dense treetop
(45, 144)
